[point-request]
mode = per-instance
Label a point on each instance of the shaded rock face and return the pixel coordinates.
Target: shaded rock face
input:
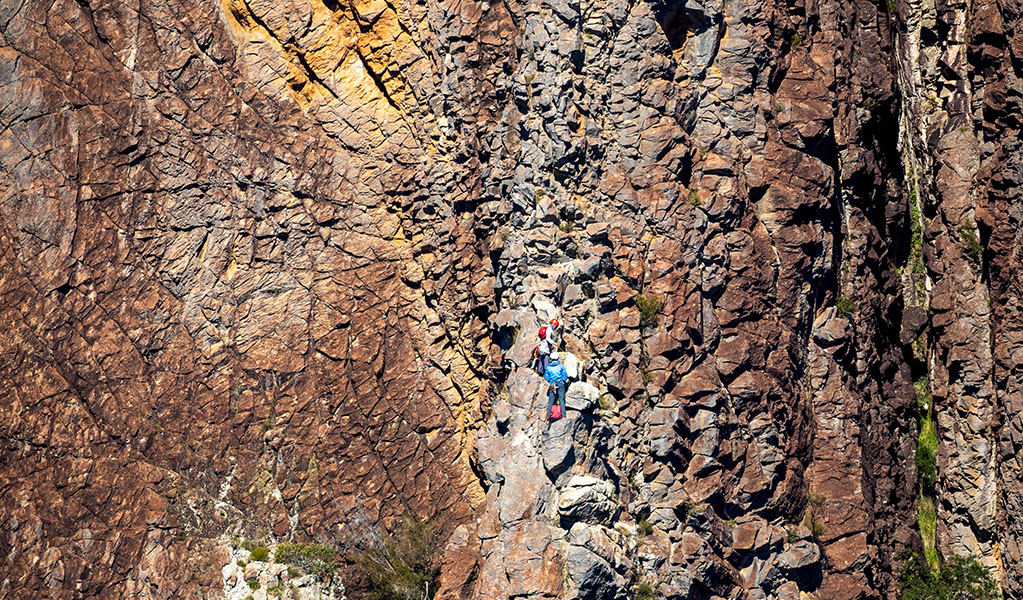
(269, 267)
(960, 68)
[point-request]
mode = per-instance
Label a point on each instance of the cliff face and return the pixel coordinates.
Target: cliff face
(960, 67)
(269, 268)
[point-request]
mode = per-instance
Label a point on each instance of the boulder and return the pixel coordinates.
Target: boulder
(558, 447)
(581, 396)
(588, 499)
(571, 365)
(593, 563)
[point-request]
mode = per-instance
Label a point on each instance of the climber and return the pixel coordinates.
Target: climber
(558, 378)
(543, 350)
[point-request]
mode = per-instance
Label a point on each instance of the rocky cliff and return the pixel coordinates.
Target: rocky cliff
(274, 268)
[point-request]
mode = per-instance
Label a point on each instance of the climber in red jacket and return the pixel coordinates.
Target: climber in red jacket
(543, 350)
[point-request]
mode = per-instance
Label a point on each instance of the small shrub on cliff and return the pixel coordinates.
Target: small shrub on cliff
(694, 198)
(318, 559)
(645, 527)
(644, 591)
(648, 306)
(846, 306)
(814, 519)
(259, 553)
(969, 237)
(402, 566)
(960, 578)
(253, 583)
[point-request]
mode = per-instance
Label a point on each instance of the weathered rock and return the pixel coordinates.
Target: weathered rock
(581, 396)
(275, 267)
(588, 499)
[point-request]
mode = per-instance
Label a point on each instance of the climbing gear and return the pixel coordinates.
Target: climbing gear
(542, 333)
(555, 412)
(538, 362)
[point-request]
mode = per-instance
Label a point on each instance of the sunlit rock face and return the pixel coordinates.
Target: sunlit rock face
(274, 268)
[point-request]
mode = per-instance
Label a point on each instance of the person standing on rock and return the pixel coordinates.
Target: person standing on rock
(546, 345)
(558, 378)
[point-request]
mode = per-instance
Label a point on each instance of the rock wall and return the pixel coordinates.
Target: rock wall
(269, 267)
(961, 67)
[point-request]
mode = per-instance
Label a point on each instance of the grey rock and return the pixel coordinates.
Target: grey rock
(581, 396)
(588, 499)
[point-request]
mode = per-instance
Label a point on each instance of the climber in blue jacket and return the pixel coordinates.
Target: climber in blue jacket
(558, 378)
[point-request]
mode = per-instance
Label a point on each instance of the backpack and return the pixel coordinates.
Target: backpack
(555, 412)
(543, 332)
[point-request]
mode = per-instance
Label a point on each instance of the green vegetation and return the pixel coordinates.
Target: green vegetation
(566, 227)
(644, 372)
(846, 306)
(692, 506)
(241, 563)
(317, 559)
(916, 255)
(796, 41)
(814, 518)
(253, 583)
(968, 234)
(644, 591)
(927, 470)
(645, 527)
(260, 553)
(927, 516)
(648, 306)
(791, 535)
(401, 566)
(960, 578)
(933, 101)
(869, 104)
(926, 456)
(694, 197)
(249, 597)
(605, 402)
(293, 571)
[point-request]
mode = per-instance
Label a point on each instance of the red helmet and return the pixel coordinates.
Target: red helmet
(554, 322)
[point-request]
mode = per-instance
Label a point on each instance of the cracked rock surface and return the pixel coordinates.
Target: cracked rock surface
(270, 268)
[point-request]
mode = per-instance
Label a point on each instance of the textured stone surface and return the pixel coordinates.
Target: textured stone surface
(270, 267)
(960, 72)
